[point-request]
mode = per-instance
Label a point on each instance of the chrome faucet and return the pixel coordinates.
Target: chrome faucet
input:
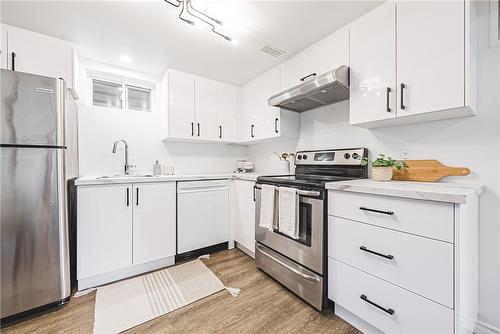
(127, 165)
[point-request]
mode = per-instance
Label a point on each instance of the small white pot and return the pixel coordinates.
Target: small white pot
(284, 167)
(381, 173)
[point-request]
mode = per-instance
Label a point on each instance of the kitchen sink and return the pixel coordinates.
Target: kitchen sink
(123, 176)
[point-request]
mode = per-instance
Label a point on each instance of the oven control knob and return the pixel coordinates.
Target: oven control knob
(355, 156)
(305, 157)
(347, 155)
(299, 157)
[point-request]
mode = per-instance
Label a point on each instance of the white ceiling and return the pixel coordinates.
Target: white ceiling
(150, 33)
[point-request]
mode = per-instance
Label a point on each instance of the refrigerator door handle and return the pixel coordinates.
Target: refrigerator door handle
(63, 225)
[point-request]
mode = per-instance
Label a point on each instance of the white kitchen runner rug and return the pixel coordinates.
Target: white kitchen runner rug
(131, 302)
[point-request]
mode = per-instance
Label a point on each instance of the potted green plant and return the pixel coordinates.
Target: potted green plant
(382, 167)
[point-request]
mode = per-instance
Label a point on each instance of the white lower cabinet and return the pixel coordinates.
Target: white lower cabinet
(243, 214)
(104, 229)
(386, 306)
(124, 229)
(403, 265)
(153, 221)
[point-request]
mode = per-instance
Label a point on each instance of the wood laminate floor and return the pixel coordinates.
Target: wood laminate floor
(263, 306)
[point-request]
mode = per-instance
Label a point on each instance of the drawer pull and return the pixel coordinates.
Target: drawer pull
(387, 310)
(377, 211)
(363, 248)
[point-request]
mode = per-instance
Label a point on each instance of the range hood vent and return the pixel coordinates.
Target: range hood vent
(328, 88)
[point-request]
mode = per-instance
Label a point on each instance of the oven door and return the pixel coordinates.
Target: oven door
(308, 249)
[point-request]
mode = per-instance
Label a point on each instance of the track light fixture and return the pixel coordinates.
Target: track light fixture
(188, 11)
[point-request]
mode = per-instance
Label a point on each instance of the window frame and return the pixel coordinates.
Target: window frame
(125, 82)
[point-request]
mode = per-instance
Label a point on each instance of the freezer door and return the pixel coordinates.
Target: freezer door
(34, 242)
(32, 110)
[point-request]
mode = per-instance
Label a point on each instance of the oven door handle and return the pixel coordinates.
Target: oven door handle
(302, 192)
(293, 270)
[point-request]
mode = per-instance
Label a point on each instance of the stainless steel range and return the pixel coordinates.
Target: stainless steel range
(300, 264)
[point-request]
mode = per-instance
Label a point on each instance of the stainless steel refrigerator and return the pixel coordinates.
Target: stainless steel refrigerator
(38, 154)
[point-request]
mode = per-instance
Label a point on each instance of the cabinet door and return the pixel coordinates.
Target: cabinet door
(244, 229)
(154, 221)
(321, 57)
(249, 114)
(40, 54)
(205, 106)
(266, 86)
(227, 109)
(181, 122)
(373, 65)
(3, 47)
(268, 117)
(430, 53)
(104, 224)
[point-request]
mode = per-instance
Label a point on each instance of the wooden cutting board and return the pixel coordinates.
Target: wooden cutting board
(427, 171)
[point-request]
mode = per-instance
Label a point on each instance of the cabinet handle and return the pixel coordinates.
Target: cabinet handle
(192, 129)
(128, 197)
(13, 60)
(387, 101)
(403, 86)
(251, 131)
(198, 125)
(377, 211)
(137, 196)
(276, 125)
(307, 76)
(220, 131)
(363, 248)
(387, 310)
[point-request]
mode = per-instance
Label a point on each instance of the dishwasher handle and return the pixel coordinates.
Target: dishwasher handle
(202, 186)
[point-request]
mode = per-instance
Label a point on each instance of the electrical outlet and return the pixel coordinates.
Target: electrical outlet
(405, 155)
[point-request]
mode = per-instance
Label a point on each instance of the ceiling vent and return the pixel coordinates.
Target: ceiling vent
(272, 51)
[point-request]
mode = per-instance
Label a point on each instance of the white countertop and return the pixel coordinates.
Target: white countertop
(93, 180)
(437, 191)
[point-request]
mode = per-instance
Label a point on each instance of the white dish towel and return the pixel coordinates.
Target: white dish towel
(288, 209)
(267, 207)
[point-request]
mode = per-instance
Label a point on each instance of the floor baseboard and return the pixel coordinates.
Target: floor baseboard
(484, 328)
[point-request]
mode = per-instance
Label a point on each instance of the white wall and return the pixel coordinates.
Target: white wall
(100, 127)
(470, 142)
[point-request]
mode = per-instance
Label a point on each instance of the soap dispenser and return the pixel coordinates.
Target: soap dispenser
(157, 168)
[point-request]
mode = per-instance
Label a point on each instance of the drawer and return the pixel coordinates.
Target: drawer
(426, 218)
(421, 265)
(303, 282)
(411, 313)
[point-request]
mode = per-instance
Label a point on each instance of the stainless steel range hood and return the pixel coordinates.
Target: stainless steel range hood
(330, 87)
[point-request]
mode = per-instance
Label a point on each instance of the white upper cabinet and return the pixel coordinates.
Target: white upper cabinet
(201, 109)
(30, 52)
(154, 221)
(205, 107)
(3, 46)
(321, 57)
(373, 70)
(430, 52)
(261, 121)
(181, 121)
(227, 111)
(421, 50)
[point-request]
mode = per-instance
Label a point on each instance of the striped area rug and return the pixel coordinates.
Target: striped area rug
(126, 304)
